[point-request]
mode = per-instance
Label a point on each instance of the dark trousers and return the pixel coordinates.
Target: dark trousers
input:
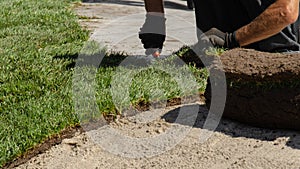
(230, 15)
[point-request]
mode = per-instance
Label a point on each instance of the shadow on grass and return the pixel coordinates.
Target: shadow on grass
(167, 4)
(236, 129)
(114, 59)
(109, 60)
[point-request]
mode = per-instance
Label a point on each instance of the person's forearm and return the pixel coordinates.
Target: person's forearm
(154, 6)
(275, 18)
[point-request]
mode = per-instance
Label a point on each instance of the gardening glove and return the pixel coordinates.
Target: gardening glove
(153, 32)
(220, 39)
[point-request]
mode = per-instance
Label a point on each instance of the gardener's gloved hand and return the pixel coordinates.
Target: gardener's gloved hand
(153, 32)
(220, 39)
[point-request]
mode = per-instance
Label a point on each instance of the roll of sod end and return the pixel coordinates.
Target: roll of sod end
(263, 89)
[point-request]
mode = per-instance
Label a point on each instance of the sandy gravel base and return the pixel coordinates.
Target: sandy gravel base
(232, 145)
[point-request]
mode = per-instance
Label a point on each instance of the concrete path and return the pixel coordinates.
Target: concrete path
(116, 24)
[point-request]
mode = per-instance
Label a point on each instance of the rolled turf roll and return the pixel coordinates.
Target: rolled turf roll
(263, 89)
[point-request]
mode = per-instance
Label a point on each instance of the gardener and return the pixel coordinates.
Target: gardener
(265, 25)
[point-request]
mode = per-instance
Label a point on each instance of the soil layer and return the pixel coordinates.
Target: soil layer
(263, 88)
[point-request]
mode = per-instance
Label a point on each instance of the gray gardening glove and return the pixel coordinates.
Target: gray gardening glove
(220, 39)
(153, 32)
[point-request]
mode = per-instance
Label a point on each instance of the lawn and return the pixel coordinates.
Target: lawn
(39, 41)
